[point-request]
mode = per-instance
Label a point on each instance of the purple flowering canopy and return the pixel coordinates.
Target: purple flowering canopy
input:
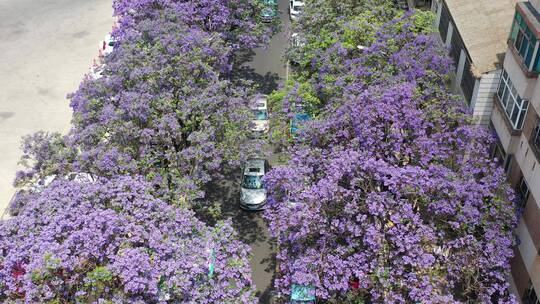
(111, 240)
(146, 137)
(235, 20)
(390, 195)
(161, 111)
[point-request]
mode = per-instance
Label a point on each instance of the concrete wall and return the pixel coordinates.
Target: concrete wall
(482, 100)
(529, 254)
(524, 86)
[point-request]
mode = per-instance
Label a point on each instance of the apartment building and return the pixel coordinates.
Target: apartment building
(495, 46)
(515, 118)
(475, 33)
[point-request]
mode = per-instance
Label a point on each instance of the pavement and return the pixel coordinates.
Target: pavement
(47, 46)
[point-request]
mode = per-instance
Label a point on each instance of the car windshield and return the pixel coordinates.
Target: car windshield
(297, 8)
(252, 182)
(260, 114)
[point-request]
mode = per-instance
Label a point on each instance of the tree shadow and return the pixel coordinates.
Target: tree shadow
(266, 83)
(225, 192)
(242, 71)
(268, 296)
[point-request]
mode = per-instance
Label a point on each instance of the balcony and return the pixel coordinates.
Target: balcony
(524, 38)
(511, 105)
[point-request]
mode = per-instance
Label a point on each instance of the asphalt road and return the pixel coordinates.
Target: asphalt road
(269, 64)
(46, 47)
(268, 70)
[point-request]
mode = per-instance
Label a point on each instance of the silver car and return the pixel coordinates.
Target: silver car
(252, 192)
(259, 125)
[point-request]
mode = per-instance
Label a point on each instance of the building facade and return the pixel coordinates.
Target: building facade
(515, 118)
(477, 46)
(497, 62)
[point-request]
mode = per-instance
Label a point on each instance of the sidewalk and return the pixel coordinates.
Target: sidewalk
(47, 47)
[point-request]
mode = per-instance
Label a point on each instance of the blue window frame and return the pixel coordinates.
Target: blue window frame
(525, 43)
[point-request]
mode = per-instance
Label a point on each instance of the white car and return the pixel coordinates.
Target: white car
(252, 192)
(297, 40)
(79, 177)
(107, 46)
(96, 71)
(260, 124)
(295, 8)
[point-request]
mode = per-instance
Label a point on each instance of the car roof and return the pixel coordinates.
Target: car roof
(254, 166)
(298, 3)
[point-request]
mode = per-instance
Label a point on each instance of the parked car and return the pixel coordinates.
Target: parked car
(259, 125)
(270, 10)
(295, 8)
(297, 41)
(107, 46)
(252, 192)
(96, 71)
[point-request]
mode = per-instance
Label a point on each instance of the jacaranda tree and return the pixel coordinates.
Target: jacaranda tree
(237, 21)
(111, 241)
(113, 226)
(160, 111)
(390, 195)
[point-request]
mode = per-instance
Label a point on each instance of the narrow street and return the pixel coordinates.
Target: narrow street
(268, 70)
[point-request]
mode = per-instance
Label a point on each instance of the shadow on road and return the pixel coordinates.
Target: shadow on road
(250, 226)
(266, 83)
(251, 229)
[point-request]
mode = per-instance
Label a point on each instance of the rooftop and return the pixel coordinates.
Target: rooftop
(484, 26)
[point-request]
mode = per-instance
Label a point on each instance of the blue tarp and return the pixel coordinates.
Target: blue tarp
(297, 119)
(302, 294)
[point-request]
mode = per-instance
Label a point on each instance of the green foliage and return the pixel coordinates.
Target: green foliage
(98, 278)
(423, 22)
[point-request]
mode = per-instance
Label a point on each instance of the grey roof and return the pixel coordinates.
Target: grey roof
(484, 26)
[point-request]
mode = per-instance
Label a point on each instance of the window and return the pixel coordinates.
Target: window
(514, 106)
(468, 81)
(529, 297)
(444, 22)
(498, 154)
(508, 164)
(535, 138)
(456, 45)
(522, 192)
(525, 43)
